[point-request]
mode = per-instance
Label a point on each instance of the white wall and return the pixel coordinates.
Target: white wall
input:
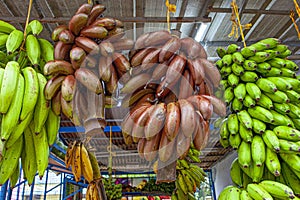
(221, 172)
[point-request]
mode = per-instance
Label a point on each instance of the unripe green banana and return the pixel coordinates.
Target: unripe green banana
(286, 146)
(290, 178)
(29, 163)
(280, 47)
(277, 62)
(224, 133)
(14, 178)
(233, 124)
(281, 120)
(234, 194)
(41, 143)
(258, 150)
(42, 107)
(232, 48)
(277, 189)
(227, 60)
(250, 65)
(245, 133)
(224, 142)
(31, 91)
(293, 96)
(219, 63)
(261, 113)
(266, 85)
(263, 67)
(273, 72)
(35, 27)
(9, 85)
(248, 101)
(233, 80)
(257, 173)
(240, 91)
(253, 91)
(260, 46)
(272, 162)
(6, 27)
(236, 105)
(271, 140)
(249, 76)
(52, 125)
(280, 83)
(282, 108)
(294, 110)
(236, 173)
(33, 49)
(10, 160)
(257, 192)
(188, 180)
(288, 73)
(11, 118)
(248, 51)
(259, 127)
(182, 183)
(245, 119)
(223, 194)
(260, 57)
(226, 70)
(244, 154)
(47, 50)
(291, 65)
(272, 53)
(296, 123)
(248, 171)
(224, 84)
(287, 133)
(221, 52)
(244, 195)
(237, 69)
(228, 95)
(271, 42)
(268, 175)
(235, 141)
(14, 41)
(285, 54)
(238, 58)
(278, 97)
(294, 82)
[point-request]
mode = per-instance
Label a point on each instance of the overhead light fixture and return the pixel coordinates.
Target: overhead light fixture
(200, 32)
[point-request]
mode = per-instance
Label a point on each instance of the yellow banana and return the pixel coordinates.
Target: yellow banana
(86, 164)
(76, 162)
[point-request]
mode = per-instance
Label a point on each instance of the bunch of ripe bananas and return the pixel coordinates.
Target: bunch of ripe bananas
(87, 64)
(28, 124)
(260, 85)
(169, 94)
(85, 166)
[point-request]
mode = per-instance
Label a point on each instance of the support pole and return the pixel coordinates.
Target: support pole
(212, 184)
(9, 193)
(3, 191)
(46, 183)
(31, 190)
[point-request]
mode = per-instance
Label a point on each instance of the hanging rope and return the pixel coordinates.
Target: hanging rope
(236, 23)
(297, 8)
(292, 15)
(170, 8)
(26, 24)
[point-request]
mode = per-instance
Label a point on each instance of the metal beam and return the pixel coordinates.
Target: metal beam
(124, 19)
(226, 43)
(251, 11)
